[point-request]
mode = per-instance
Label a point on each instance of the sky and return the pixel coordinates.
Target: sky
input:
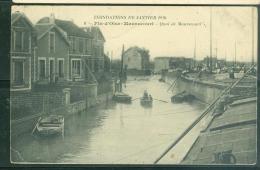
(231, 27)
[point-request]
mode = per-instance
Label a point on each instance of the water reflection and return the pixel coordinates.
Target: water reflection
(115, 133)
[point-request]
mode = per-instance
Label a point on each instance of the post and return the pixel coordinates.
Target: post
(66, 91)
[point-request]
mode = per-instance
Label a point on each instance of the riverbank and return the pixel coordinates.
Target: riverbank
(207, 89)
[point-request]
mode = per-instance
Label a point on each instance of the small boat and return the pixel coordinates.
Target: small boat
(50, 125)
(182, 97)
(146, 101)
(122, 97)
(161, 80)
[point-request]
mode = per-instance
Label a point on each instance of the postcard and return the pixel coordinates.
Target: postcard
(114, 84)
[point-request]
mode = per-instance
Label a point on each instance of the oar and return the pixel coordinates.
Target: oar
(161, 100)
(137, 98)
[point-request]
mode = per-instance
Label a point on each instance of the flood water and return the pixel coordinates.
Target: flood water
(114, 133)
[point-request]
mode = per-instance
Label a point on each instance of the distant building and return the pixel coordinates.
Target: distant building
(166, 63)
(52, 53)
(136, 58)
(161, 63)
(22, 52)
(80, 46)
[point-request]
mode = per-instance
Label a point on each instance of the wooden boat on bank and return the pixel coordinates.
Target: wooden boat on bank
(122, 97)
(148, 102)
(50, 125)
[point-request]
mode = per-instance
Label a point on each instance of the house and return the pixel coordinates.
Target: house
(165, 63)
(22, 52)
(161, 63)
(181, 63)
(79, 50)
(135, 58)
(52, 53)
(96, 61)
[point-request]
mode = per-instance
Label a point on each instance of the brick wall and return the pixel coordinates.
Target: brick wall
(29, 103)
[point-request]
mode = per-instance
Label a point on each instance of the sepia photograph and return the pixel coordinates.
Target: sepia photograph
(166, 85)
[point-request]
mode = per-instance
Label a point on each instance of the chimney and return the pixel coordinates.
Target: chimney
(52, 18)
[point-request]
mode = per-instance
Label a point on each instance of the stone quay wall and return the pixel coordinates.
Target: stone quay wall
(207, 92)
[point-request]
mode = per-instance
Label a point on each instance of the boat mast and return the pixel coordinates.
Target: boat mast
(122, 65)
(111, 62)
(216, 54)
(235, 53)
(210, 40)
(226, 57)
(194, 57)
(253, 36)
(210, 62)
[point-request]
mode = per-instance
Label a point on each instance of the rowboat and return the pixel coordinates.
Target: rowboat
(50, 125)
(146, 101)
(122, 97)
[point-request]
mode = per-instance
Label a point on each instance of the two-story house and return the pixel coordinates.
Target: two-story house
(52, 53)
(79, 47)
(135, 58)
(96, 62)
(22, 52)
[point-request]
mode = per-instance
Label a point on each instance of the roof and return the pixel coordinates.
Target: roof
(43, 29)
(144, 53)
(94, 30)
(17, 15)
(68, 26)
(162, 58)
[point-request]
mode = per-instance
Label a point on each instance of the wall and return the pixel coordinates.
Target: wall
(161, 64)
(132, 59)
(61, 51)
(208, 92)
(27, 124)
(24, 104)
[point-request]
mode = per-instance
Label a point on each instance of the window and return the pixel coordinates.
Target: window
(51, 42)
(42, 69)
(76, 68)
(18, 72)
(96, 67)
(73, 44)
(81, 45)
(88, 46)
(61, 68)
(18, 40)
(51, 67)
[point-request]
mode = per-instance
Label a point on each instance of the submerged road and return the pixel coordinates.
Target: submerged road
(115, 133)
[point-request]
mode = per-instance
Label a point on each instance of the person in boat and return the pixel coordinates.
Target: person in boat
(150, 97)
(145, 96)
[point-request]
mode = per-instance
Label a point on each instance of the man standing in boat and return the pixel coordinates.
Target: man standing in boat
(145, 96)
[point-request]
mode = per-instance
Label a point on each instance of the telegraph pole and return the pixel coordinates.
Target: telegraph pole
(194, 57)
